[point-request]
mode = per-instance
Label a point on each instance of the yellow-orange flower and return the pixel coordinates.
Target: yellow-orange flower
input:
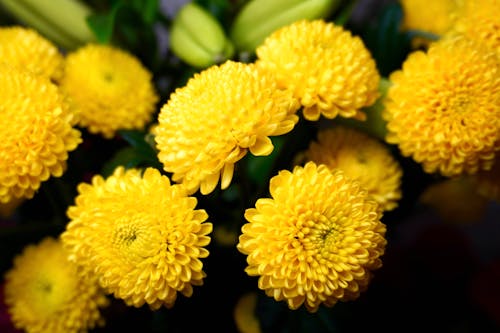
(212, 122)
(36, 132)
(109, 89)
(44, 292)
(316, 241)
(25, 48)
(479, 20)
(434, 17)
(362, 158)
(443, 107)
(140, 235)
(328, 69)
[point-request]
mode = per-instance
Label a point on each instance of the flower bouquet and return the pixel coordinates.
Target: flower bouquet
(249, 165)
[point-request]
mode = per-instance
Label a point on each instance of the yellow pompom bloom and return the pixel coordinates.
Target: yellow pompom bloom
(316, 241)
(443, 107)
(141, 236)
(44, 292)
(428, 16)
(109, 89)
(36, 132)
(328, 69)
(362, 158)
(25, 48)
(479, 20)
(210, 124)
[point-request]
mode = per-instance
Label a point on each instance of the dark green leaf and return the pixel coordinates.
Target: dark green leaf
(103, 25)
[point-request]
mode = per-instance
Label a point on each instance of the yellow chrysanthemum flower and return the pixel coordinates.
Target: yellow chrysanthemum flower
(328, 69)
(109, 89)
(362, 158)
(479, 20)
(316, 240)
(210, 124)
(139, 235)
(443, 107)
(44, 292)
(36, 132)
(428, 16)
(25, 48)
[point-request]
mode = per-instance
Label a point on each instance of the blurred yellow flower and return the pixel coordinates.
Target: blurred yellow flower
(443, 107)
(316, 241)
(244, 314)
(455, 200)
(109, 89)
(487, 182)
(140, 235)
(212, 122)
(36, 132)
(45, 293)
(362, 158)
(25, 48)
(433, 17)
(328, 69)
(479, 20)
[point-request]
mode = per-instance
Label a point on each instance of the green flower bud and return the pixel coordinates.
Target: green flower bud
(198, 39)
(259, 18)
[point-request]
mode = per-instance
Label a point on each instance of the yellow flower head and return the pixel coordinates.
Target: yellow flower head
(44, 292)
(25, 48)
(329, 70)
(141, 236)
(479, 20)
(362, 158)
(109, 89)
(210, 124)
(428, 16)
(36, 132)
(443, 107)
(316, 240)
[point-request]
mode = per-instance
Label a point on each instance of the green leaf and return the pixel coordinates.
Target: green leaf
(148, 9)
(103, 25)
(260, 167)
(138, 140)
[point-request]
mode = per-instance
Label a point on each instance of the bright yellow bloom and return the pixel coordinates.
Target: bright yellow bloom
(44, 292)
(210, 124)
(362, 158)
(141, 236)
(329, 70)
(443, 108)
(428, 16)
(479, 20)
(36, 132)
(25, 48)
(109, 89)
(316, 240)
(244, 314)
(455, 200)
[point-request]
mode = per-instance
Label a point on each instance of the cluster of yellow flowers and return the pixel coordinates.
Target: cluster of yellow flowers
(140, 238)
(443, 105)
(138, 235)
